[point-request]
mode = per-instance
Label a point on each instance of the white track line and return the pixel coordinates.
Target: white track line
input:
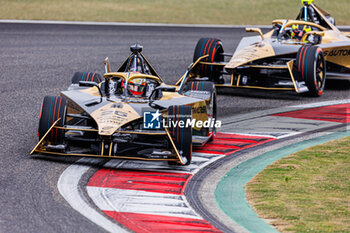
(68, 186)
(90, 23)
(322, 104)
(128, 24)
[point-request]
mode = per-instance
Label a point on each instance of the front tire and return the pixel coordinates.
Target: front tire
(86, 76)
(311, 68)
(52, 108)
(181, 136)
(214, 48)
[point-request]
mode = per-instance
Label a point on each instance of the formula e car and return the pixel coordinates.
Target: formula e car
(296, 55)
(128, 114)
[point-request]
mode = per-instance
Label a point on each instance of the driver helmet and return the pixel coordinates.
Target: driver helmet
(298, 31)
(137, 87)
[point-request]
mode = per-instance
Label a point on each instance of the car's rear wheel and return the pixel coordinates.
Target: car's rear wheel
(214, 49)
(311, 68)
(181, 134)
(209, 87)
(86, 76)
(52, 109)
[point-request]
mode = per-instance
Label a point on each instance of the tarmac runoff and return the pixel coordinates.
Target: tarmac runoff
(230, 192)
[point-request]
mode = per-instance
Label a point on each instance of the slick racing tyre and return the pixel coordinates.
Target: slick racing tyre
(207, 87)
(52, 109)
(311, 68)
(200, 86)
(212, 47)
(182, 136)
(86, 76)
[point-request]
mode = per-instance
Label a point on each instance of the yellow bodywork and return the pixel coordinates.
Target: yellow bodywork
(250, 53)
(109, 118)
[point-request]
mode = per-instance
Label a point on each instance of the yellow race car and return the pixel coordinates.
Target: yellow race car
(296, 55)
(128, 114)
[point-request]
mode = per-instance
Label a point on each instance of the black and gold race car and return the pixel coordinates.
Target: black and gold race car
(128, 114)
(296, 55)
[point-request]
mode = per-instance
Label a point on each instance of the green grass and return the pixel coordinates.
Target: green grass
(306, 192)
(167, 11)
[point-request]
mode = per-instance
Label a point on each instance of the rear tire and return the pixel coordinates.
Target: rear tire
(182, 136)
(311, 68)
(214, 48)
(86, 76)
(200, 86)
(52, 108)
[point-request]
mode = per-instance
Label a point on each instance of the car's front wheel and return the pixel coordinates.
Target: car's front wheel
(213, 48)
(86, 76)
(181, 133)
(52, 109)
(311, 68)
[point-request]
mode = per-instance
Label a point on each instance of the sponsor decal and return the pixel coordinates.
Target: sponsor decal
(198, 94)
(112, 117)
(247, 54)
(334, 53)
(199, 110)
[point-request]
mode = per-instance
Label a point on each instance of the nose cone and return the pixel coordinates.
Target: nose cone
(250, 53)
(112, 116)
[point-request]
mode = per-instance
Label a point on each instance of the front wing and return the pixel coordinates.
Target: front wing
(235, 79)
(45, 147)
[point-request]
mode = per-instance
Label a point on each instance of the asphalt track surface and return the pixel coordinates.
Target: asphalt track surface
(39, 60)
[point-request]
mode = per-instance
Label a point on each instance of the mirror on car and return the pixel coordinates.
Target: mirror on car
(90, 84)
(157, 93)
